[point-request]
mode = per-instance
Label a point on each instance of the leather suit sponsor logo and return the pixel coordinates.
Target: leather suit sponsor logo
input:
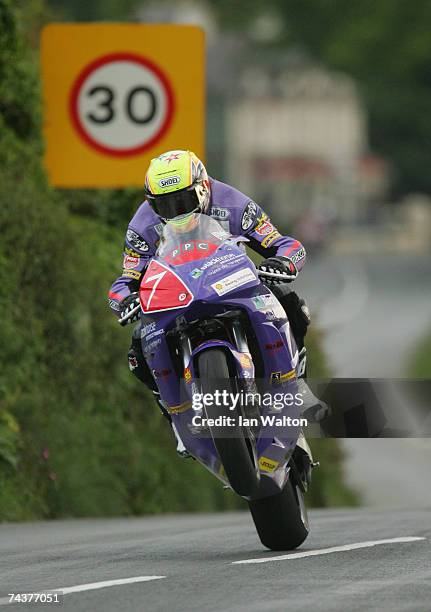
(132, 274)
(220, 213)
(114, 304)
(272, 237)
(249, 216)
(136, 240)
(297, 256)
(130, 262)
(264, 229)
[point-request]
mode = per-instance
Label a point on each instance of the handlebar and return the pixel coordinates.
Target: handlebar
(281, 277)
(125, 319)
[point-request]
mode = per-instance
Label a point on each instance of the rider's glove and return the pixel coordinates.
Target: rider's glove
(277, 270)
(129, 309)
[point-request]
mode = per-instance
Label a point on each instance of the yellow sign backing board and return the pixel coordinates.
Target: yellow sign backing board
(117, 95)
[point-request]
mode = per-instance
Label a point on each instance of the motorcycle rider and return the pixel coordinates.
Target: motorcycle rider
(177, 184)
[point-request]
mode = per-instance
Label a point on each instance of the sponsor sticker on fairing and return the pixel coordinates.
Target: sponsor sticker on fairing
(154, 334)
(273, 347)
(277, 378)
(164, 373)
(152, 345)
(196, 273)
(245, 360)
(221, 259)
(233, 281)
(263, 301)
(268, 465)
(148, 329)
(269, 306)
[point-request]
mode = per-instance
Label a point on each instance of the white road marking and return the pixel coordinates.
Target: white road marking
(327, 551)
(91, 586)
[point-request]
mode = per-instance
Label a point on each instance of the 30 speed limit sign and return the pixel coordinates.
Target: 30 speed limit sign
(122, 104)
(118, 95)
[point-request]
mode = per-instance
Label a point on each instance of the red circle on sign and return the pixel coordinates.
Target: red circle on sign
(101, 61)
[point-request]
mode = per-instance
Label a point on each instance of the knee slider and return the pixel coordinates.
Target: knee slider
(305, 311)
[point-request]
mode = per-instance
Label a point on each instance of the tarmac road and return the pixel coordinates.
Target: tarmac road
(193, 558)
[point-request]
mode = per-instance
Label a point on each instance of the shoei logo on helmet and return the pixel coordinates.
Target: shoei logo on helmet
(168, 182)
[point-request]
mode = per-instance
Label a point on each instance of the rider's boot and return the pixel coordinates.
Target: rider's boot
(298, 313)
(302, 463)
(139, 368)
(181, 449)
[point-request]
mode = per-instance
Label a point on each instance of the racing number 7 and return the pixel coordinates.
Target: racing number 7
(157, 277)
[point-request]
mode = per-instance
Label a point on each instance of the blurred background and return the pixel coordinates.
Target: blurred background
(319, 111)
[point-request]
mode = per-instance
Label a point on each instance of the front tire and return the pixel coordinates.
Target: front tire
(234, 452)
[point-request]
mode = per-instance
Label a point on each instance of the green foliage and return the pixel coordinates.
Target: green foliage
(420, 366)
(9, 439)
(96, 10)
(328, 486)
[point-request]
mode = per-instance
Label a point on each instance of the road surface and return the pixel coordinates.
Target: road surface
(190, 562)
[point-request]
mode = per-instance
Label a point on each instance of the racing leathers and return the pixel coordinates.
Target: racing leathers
(239, 215)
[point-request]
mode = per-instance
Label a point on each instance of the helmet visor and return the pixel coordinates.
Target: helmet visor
(170, 205)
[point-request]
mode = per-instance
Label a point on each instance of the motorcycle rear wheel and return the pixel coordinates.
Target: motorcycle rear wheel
(281, 520)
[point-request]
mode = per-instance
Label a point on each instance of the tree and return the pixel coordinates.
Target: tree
(386, 46)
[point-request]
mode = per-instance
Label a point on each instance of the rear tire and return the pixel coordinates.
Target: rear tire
(281, 520)
(234, 452)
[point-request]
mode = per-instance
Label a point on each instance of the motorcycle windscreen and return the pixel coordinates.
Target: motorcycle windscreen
(161, 289)
(190, 238)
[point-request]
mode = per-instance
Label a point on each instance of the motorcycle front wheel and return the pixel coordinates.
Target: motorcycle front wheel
(234, 450)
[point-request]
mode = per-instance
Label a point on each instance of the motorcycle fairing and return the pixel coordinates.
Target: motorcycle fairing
(224, 282)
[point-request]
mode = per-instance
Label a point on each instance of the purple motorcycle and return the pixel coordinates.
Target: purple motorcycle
(220, 349)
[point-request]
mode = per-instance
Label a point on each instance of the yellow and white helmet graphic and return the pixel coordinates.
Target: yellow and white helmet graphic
(176, 184)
